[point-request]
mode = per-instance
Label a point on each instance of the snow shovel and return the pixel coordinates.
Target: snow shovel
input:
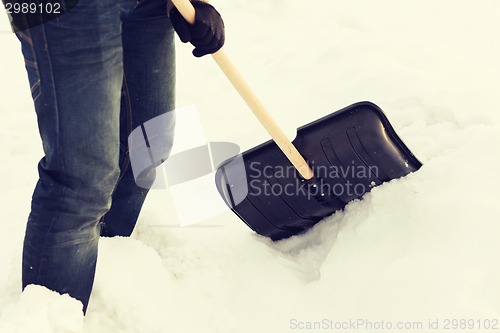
(282, 188)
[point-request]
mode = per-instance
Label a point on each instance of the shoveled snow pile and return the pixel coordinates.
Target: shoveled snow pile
(416, 252)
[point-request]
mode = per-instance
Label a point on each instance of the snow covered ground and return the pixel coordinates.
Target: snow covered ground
(419, 252)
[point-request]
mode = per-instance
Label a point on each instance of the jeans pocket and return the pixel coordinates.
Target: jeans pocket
(31, 63)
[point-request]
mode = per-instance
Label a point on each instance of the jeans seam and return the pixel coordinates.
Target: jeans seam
(55, 98)
(128, 110)
(57, 127)
(126, 161)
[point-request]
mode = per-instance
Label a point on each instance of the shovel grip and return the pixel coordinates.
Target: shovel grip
(188, 12)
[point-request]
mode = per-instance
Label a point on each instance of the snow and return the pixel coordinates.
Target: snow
(42, 310)
(418, 249)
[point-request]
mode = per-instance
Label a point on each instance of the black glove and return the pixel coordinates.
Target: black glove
(206, 34)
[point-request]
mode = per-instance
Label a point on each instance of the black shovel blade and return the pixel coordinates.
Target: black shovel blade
(350, 151)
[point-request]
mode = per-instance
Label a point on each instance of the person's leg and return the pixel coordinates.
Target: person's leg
(148, 94)
(75, 69)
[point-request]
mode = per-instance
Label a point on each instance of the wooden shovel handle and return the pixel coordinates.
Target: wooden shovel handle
(188, 12)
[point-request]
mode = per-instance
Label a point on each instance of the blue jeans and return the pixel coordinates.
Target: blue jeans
(96, 73)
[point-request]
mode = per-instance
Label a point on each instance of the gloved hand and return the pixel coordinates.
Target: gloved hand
(206, 34)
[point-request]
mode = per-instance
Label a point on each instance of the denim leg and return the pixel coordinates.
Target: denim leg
(148, 92)
(75, 67)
